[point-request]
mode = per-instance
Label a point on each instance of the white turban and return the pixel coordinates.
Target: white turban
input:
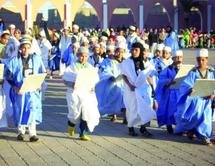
(202, 53)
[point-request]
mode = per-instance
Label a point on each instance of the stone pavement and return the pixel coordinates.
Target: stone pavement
(110, 144)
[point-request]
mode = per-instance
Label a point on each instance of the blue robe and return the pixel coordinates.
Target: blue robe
(159, 66)
(27, 108)
(54, 62)
(172, 41)
(109, 91)
(69, 56)
(193, 112)
(166, 97)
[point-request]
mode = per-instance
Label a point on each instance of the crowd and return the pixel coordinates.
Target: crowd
(109, 72)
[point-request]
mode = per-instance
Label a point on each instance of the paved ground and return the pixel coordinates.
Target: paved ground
(110, 144)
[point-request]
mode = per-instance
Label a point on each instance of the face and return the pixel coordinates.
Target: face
(202, 62)
(131, 32)
(5, 39)
(75, 49)
(110, 53)
(177, 60)
(166, 54)
(12, 30)
(111, 41)
(17, 35)
(74, 30)
(55, 38)
(135, 52)
(82, 58)
(25, 50)
(102, 49)
(85, 44)
(121, 33)
(97, 50)
(159, 53)
(65, 32)
(120, 52)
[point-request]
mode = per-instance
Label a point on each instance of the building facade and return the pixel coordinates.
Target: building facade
(140, 9)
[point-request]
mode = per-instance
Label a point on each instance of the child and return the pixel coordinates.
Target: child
(81, 101)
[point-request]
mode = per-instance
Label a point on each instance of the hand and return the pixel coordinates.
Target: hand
(192, 91)
(210, 97)
(155, 105)
(17, 90)
(150, 80)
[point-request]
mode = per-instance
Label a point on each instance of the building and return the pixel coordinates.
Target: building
(141, 10)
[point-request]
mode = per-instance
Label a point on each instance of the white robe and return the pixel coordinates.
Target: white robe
(138, 103)
(35, 49)
(45, 47)
(6, 90)
(65, 41)
(81, 104)
(3, 116)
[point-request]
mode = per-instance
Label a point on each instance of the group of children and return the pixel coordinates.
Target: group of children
(110, 75)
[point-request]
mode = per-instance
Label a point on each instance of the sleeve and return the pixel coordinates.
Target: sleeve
(8, 74)
(69, 74)
(49, 46)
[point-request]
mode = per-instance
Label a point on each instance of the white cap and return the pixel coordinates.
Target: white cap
(12, 26)
(131, 27)
(75, 26)
(83, 50)
(177, 53)
(167, 48)
(111, 47)
(5, 32)
(24, 41)
(121, 45)
(160, 47)
(202, 53)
